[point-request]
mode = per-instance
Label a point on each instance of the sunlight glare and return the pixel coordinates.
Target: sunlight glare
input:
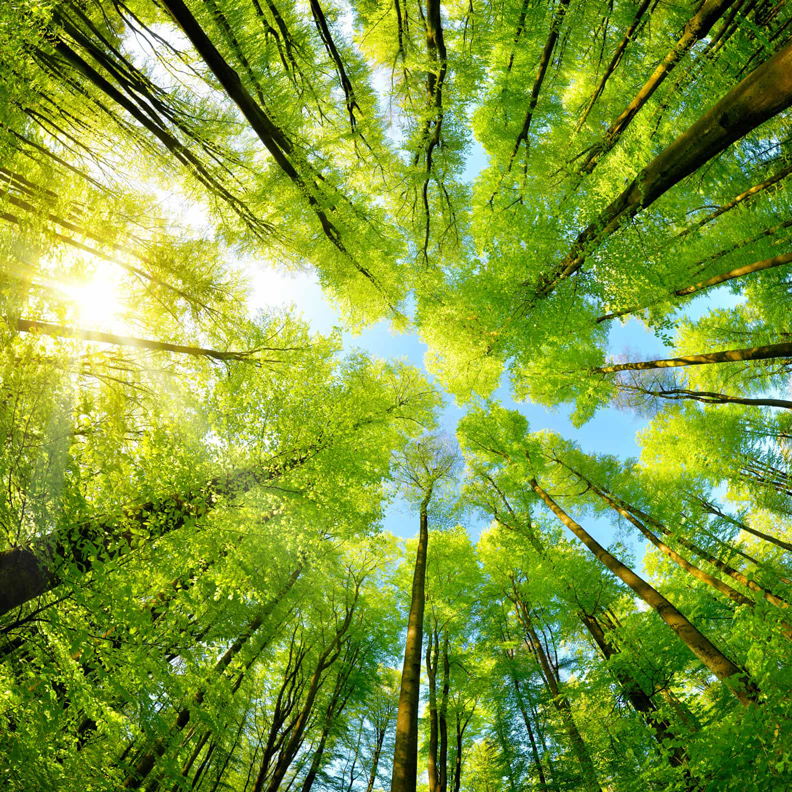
(96, 300)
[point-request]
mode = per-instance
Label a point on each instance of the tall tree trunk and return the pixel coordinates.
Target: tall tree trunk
(739, 200)
(715, 280)
(727, 569)
(661, 729)
(712, 509)
(560, 702)
(326, 659)
(273, 138)
(544, 63)
(642, 704)
(442, 771)
(432, 660)
(767, 352)
(764, 93)
(724, 669)
(375, 760)
(145, 764)
(27, 572)
(534, 749)
(698, 26)
(405, 754)
(47, 328)
(621, 508)
(615, 60)
(704, 397)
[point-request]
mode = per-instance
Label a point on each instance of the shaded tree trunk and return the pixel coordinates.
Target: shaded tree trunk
(761, 95)
(47, 328)
(724, 669)
(443, 721)
(544, 63)
(767, 352)
(615, 60)
(534, 749)
(145, 764)
(712, 509)
(696, 28)
(432, 660)
(716, 280)
(405, 755)
(560, 701)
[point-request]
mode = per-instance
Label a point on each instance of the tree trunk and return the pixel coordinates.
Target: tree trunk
(705, 397)
(547, 55)
(273, 138)
(375, 760)
(442, 771)
(716, 280)
(622, 509)
(36, 327)
(146, 762)
(326, 659)
(561, 703)
(615, 60)
(405, 754)
(534, 749)
(739, 200)
(764, 93)
(724, 669)
(696, 29)
(27, 572)
(716, 562)
(432, 651)
(768, 352)
(744, 527)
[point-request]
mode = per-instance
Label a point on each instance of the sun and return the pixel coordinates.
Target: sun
(96, 301)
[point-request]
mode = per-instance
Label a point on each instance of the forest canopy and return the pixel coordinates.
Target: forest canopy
(240, 553)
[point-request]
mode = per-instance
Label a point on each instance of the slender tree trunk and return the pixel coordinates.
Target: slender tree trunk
(738, 681)
(716, 280)
(375, 760)
(146, 762)
(443, 720)
(405, 755)
(764, 93)
(47, 328)
(316, 761)
(273, 138)
(615, 60)
(432, 659)
(705, 397)
(767, 352)
(561, 703)
(739, 200)
(544, 62)
(727, 569)
(534, 750)
(661, 729)
(697, 28)
(747, 528)
(713, 582)
(326, 659)
(458, 757)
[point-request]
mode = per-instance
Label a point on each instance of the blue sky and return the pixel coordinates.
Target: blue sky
(611, 431)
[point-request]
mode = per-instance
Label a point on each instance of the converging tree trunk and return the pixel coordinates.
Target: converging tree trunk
(768, 352)
(724, 669)
(699, 25)
(716, 280)
(405, 755)
(761, 95)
